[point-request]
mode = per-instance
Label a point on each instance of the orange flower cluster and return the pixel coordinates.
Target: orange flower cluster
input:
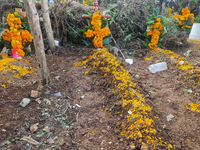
(155, 31)
(86, 2)
(26, 36)
(14, 35)
(186, 15)
(170, 11)
(97, 32)
(13, 22)
(193, 107)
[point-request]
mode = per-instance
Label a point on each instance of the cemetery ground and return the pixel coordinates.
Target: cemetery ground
(86, 115)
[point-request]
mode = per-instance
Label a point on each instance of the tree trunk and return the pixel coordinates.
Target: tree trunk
(47, 24)
(33, 19)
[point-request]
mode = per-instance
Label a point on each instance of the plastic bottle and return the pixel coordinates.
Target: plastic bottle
(158, 67)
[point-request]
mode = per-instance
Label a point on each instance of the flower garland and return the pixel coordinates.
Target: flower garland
(96, 30)
(155, 31)
(186, 19)
(138, 124)
(17, 38)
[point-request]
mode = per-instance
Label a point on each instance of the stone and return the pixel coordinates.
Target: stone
(34, 128)
(3, 130)
(104, 131)
(133, 147)
(57, 77)
(144, 147)
(140, 55)
(25, 102)
(137, 76)
(50, 141)
(90, 138)
(35, 94)
(181, 63)
(46, 129)
(58, 94)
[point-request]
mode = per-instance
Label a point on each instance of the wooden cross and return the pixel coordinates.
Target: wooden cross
(95, 2)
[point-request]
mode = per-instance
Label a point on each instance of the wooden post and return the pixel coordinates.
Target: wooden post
(33, 19)
(47, 24)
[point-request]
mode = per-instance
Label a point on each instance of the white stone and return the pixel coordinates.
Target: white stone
(25, 102)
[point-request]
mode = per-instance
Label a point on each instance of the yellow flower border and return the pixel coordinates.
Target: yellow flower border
(138, 125)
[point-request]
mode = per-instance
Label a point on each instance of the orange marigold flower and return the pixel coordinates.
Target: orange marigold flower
(15, 13)
(170, 11)
(158, 19)
(188, 26)
(89, 33)
(152, 45)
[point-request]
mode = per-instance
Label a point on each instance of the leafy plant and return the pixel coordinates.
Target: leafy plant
(128, 21)
(197, 20)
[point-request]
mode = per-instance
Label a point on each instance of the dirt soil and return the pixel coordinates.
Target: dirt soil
(79, 119)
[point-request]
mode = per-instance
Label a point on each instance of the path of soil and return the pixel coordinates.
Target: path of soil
(78, 121)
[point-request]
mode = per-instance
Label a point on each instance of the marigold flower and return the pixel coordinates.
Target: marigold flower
(15, 13)
(158, 19)
(170, 11)
(188, 26)
(152, 45)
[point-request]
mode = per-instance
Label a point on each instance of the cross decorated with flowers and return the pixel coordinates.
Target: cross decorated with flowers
(96, 31)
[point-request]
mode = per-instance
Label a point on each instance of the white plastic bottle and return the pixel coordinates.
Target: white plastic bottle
(158, 67)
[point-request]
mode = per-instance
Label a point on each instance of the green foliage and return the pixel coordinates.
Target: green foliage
(90, 3)
(198, 18)
(171, 25)
(128, 20)
(133, 54)
(20, 2)
(75, 34)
